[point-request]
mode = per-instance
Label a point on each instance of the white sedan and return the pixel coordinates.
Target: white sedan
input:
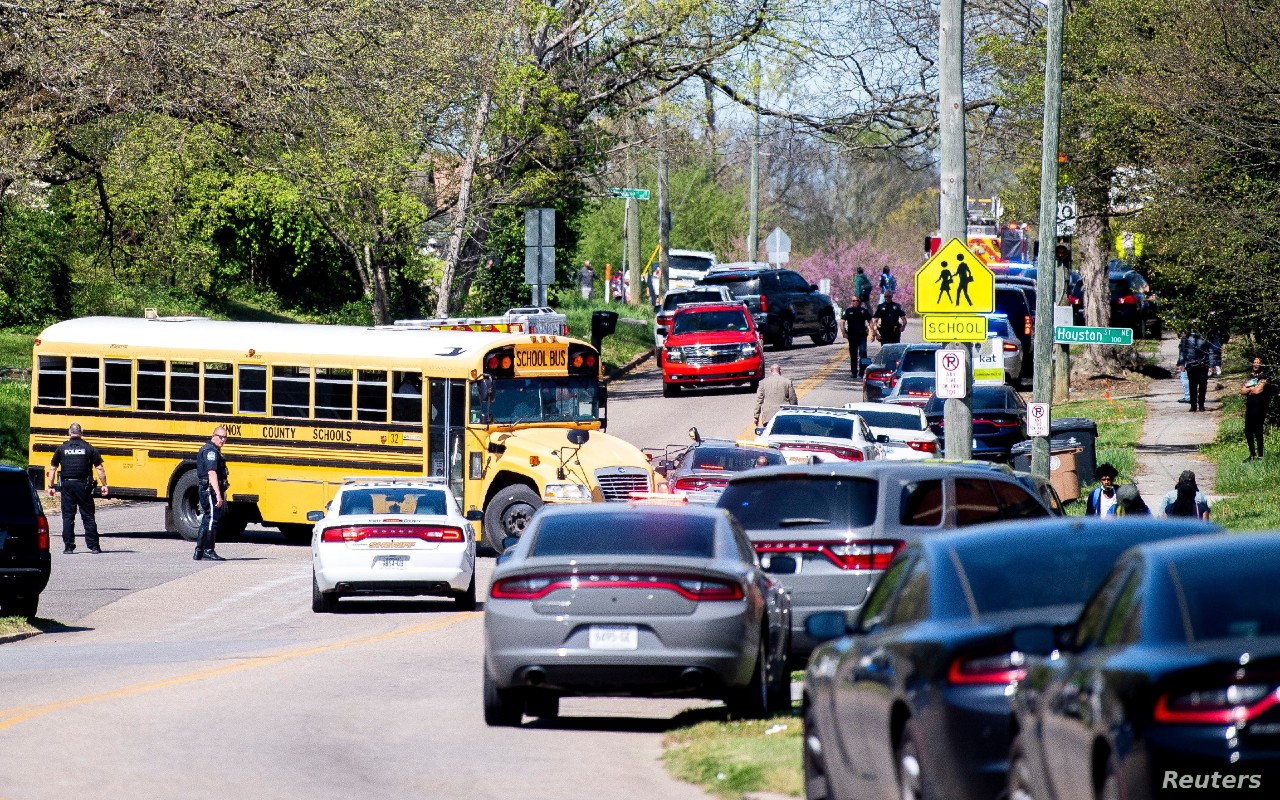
(806, 434)
(905, 426)
(392, 536)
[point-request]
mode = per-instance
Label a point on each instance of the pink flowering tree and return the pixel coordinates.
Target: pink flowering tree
(839, 262)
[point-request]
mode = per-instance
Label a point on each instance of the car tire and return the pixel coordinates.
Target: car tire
(503, 708)
(24, 607)
(753, 386)
(322, 602)
(543, 705)
(786, 335)
(816, 785)
(912, 783)
(827, 329)
(752, 701)
(1019, 773)
(780, 684)
(185, 505)
(466, 601)
(670, 390)
(508, 514)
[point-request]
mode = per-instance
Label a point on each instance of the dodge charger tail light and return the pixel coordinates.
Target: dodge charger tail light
(1000, 668)
(1225, 705)
(924, 447)
(427, 533)
(536, 587)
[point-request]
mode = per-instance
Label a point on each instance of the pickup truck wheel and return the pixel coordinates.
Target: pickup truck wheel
(827, 330)
(786, 336)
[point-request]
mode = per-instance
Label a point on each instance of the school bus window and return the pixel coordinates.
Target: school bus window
(523, 400)
(371, 395)
(150, 385)
(117, 383)
(253, 389)
(291, 391)
(406, 403)
(51, 384)
(333, 393)
(217, 388)
(84, 382)
(184, 387)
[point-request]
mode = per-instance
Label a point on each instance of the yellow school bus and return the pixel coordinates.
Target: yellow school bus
(512, 420)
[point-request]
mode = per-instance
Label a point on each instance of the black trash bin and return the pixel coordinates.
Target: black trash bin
(1085, 433)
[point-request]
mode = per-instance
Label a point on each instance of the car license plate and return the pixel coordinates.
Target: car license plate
(613, 637)
(390, 562)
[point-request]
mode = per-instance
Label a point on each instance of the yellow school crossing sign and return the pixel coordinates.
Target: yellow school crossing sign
(955, 281)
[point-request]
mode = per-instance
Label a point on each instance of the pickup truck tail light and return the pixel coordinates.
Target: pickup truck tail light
(42, 532)
(764, 303)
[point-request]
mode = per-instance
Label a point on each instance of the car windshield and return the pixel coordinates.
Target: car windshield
(735, 459)
(392, 500)
(918, 361)
(999, 327)
(1035, 577)
(889, 356)
(887, 419)
(680, 298)
(802, 500)
(610, 533)
(812, 425)
(537, 400)
(709, 321)
(699, 264)
(1225, 599)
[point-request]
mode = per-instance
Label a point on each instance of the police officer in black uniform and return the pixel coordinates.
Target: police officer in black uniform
(77, 459)
(211, 470)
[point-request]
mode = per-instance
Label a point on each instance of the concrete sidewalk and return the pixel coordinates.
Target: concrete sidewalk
(1172, 434)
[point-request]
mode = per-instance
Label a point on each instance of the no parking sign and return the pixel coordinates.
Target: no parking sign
(951, 370)
(1037, 419)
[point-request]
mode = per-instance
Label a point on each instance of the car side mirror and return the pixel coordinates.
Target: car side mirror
(826, 625)
(315, 516)
(883, 438)
(759, 431)
(509, 542)
(475, 515)
(813, 287)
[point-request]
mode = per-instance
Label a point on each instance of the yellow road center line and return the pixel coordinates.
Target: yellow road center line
(13, 716)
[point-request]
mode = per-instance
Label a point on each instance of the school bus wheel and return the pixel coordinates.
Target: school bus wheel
(508, 514)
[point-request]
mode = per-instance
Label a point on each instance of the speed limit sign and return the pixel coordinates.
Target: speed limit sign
(1037, 419)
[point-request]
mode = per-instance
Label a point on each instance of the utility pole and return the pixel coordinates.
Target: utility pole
(957, 412)
(753, 226)
(1047, 291)
(634, 264)
(664, 220)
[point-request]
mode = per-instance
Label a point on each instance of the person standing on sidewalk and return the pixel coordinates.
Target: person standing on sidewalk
(78, 460)
(1255, 408)
(587, 280)
(1193, 356)
(857, 326)
(862, 287)
(1182, 373)
(775, 391)
(211, 471)
(1102, 500)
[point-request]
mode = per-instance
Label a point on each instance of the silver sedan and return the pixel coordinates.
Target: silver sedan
(641, 600)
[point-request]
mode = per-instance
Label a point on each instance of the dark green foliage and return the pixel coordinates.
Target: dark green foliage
(35, 273)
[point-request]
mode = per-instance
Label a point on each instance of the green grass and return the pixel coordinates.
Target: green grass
(1119, 430)
(1254, 503)
(627, 342)
(730, 759)
(14, 625)
(15, 422)
(15, 350)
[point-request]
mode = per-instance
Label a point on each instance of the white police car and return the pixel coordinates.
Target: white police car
(392, 536)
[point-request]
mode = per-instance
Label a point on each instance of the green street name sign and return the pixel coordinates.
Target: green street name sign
(1079, 334)
(630, 194)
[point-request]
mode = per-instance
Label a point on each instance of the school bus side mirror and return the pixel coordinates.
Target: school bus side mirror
(315, 516)
(487, 388)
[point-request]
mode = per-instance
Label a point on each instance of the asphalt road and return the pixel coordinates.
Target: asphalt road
(178, 678)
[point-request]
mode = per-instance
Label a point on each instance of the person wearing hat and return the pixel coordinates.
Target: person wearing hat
(1102, 500)
(1185, 499)
(1129, 502)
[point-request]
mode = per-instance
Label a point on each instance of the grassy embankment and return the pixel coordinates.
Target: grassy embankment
(1253, 493)
(628, 341)
(15, 396)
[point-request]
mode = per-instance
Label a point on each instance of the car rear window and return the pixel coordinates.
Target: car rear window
(992, 399)
(734, 459)
(918, 361)
(680, 298)
(886, 419)
(918, 385)
(1035, 577)
(690, 263)
(17, 500)
(739, 285)
(709, 321)
(626, 534)
(392, 501)
(1225, 599)
(800, 501)
(812, 425)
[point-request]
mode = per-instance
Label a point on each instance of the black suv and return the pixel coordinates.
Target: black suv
(24, 545)
(781, 301)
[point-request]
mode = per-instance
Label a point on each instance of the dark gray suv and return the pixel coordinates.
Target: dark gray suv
(783, 304)
(828, 531)
(24, 545)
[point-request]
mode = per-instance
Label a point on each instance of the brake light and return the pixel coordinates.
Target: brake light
(891, 381)
(427, 533)
(919, 393)
(1028, 322)
(764, 302)
(42, 532)
(924, 447)
(866, 554)
(999, 423)
(1228, 705)
(993, 669)
(1010, 347)
(842, 453)
(1075, 301)
(536, 587)
(878, 374)
(1127, 300)
(698, 484)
